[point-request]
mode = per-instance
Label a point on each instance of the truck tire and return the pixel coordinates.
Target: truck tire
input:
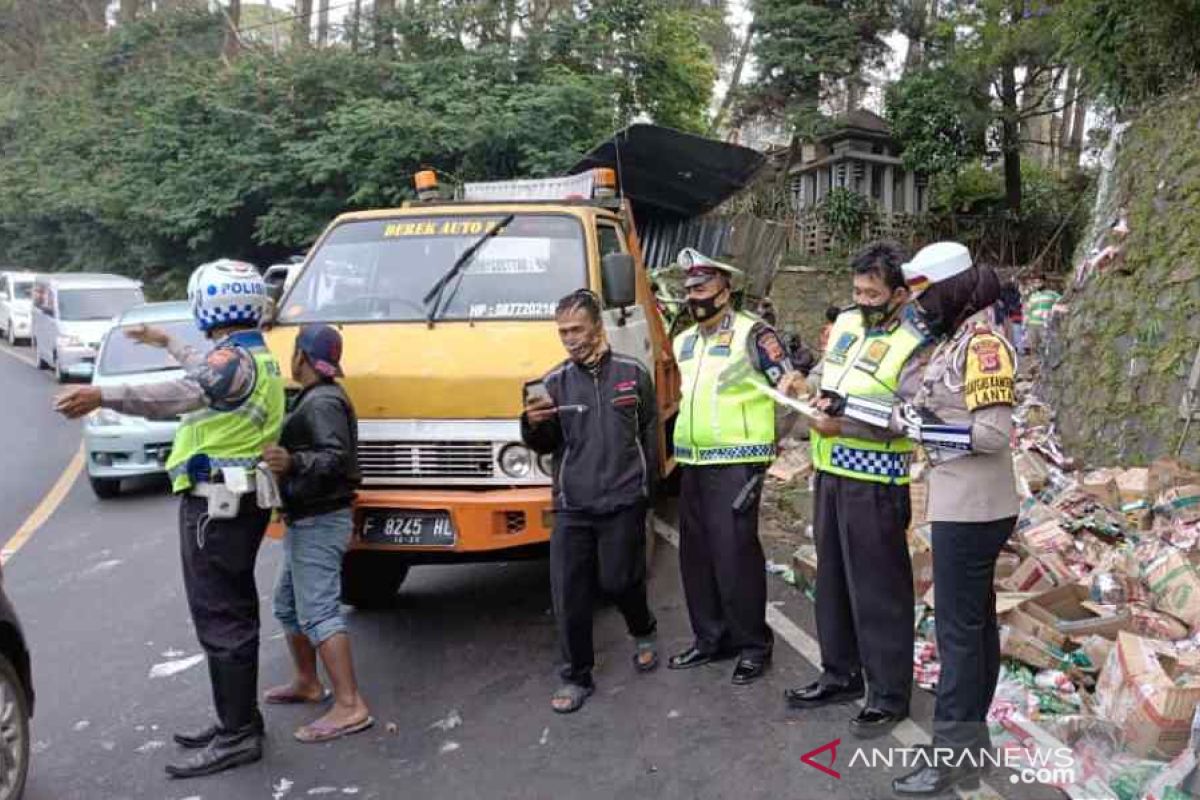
(370, 579)
(105, 488)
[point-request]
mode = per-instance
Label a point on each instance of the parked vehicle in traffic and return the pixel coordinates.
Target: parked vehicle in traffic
(16, 702)
(16, 289)
(71, 314)
(120, 446)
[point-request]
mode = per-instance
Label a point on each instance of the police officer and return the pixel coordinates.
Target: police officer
(233, 405)
(864, 594)
(961, 394)
(724, 439)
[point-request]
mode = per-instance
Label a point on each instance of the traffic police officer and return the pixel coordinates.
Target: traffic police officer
(724, 439)
(861, 511)
(233, 405)
(961, 398)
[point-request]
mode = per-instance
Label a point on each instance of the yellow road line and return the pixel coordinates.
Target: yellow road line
(8, 351)
(48, 505)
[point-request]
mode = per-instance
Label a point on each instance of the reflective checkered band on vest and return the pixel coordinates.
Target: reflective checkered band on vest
(735, 453)
(871, 462)
(216, 463)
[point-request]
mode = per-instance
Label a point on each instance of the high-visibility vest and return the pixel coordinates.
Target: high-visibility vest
(723, 417)
(865, 363)
(233, 438)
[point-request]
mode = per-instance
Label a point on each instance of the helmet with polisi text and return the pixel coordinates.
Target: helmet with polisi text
(226, 293)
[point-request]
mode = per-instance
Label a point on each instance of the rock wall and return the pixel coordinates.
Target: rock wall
(1118, 361)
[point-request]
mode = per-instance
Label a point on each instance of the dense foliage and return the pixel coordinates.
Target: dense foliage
(146, 150)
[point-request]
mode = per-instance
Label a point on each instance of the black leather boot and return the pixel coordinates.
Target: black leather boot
(239, 738)
(196, 738)
(931, 781)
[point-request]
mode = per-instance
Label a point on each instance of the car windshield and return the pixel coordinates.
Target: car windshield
(124, 356)
(382, 269)
(76, 305)
(22, 290)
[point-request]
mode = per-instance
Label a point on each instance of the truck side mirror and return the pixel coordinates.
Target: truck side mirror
(619, 280)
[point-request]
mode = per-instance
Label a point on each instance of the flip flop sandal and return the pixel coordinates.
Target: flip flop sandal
(314, 732)
(285, 697)
(646, 646)
(573, 692)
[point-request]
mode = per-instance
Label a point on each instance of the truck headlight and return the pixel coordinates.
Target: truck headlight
(106, 417)
(545, 463)
(516, 461)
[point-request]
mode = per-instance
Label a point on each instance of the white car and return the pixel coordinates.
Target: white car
(120, 446)
(71, 314)
(16, 289)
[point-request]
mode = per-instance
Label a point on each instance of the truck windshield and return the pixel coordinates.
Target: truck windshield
(377, 270)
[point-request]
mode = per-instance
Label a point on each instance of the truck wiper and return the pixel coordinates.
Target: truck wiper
(434, 294)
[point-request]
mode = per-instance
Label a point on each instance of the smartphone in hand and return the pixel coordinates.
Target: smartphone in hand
(535, 390)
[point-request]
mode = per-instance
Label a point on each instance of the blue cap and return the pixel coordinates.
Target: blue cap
(322, 346)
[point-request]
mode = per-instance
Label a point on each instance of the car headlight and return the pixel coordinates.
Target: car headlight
(107, 417)
(516, 461)
(68, 341)
(545, 463)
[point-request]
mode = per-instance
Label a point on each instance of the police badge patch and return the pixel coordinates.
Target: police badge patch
(870, 360)
(837, 353)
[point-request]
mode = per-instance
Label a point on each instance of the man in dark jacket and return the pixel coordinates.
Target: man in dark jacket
(599, 418)
(316, 464)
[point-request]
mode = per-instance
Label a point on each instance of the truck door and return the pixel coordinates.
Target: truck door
(630, 337)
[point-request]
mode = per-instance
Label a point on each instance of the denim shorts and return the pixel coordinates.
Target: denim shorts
(308, 591)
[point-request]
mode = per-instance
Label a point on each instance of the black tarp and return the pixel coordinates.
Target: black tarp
(664, 171)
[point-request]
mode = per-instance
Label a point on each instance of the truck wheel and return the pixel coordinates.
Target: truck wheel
(371, 579)
(105, 488)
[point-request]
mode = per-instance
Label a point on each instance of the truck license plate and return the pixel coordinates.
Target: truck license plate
(424, 528)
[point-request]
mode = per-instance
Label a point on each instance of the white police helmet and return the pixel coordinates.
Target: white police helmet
(227, 292)
(935, 263)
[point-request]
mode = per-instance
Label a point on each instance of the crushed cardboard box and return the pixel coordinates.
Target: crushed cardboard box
(1151, 693)
(1175, 585)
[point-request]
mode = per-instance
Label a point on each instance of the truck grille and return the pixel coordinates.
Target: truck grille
(390, 462)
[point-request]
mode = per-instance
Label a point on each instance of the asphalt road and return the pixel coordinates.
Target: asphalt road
(458, 675)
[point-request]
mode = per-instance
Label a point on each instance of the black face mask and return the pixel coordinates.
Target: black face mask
(704, 309)
(875, 313)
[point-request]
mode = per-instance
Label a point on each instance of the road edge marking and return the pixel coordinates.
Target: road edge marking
(46, 507)
(8, 351)
(908, 733)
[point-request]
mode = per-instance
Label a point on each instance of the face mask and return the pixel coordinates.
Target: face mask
(704, 309)
(875, 313)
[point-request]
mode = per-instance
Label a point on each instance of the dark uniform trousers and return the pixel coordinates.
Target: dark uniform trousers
(218, 576)
(586, 549)
(721, 558)
(864, 601)
(968, 638)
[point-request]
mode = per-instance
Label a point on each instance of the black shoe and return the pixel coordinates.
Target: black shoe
(748, 670)
(818, 694)
(225, 751)
(195, 739)
(929, 781)
(875, 722)
(688, 659)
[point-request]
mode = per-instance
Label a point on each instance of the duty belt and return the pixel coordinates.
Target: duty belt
(871, 462)
(734, 453)
(215, 464)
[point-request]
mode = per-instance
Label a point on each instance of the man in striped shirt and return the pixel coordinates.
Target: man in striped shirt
(1038, 306)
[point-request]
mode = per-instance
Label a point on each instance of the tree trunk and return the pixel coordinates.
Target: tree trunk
(1010, 136)
(322, 23)
(355, 19)
(128, 12)
(233, 19)
(1074, 146)
(302, 23)
(385, 37)
(1068, 121)
(734, 81)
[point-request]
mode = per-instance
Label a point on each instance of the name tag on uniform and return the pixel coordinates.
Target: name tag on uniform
(837, 354)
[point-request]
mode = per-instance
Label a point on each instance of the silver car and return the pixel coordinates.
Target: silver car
(118, 445)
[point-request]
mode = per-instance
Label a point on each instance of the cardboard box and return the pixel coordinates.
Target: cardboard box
(1151, 694)
(1133, 485)
(1175, 586)
(1102, 484)
(1030, 576)
(1059, 615)
(1048, 537)
(794, 463)
(1020, 645)
(922, 572)
(1168, 473)
(1031, 471)
(1181, 504)
(918, 495)
(804, 564)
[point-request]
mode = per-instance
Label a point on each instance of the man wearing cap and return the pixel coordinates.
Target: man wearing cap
(724, 440)
(861, 511)
(316, 466)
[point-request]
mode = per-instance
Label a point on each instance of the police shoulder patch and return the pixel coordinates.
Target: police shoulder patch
(988, 379)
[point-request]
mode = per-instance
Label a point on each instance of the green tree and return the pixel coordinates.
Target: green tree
(940, 125)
